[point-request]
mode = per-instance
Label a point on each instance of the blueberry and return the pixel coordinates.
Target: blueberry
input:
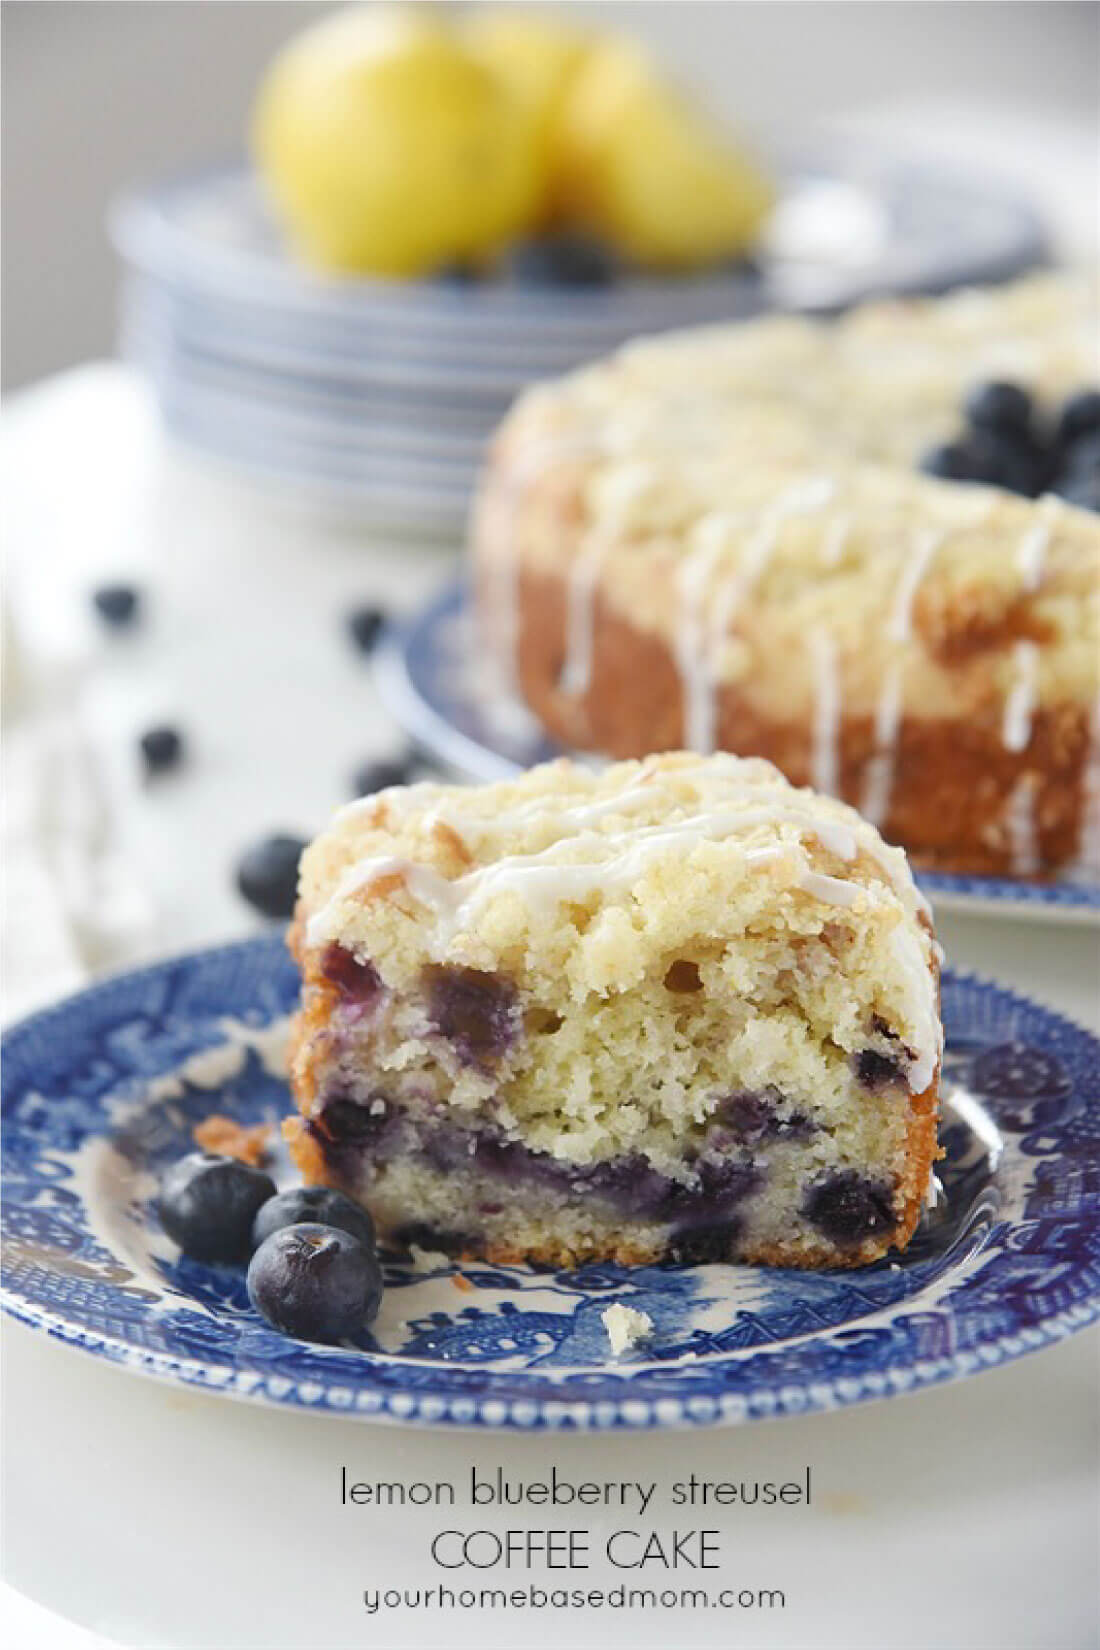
(996, 457)
(207, 1205)
(492, 1152)
(1083, 458)
(742, 266)
(267, 874)
(951, 461)
(378, 776)
(752, 1116)
(116, 604)
(564, 260)
(1083, 491)
(727, 1180)
(704, 1245)
(365, 626)
(875, 1070)
(749, 1114)
(356, 980)
(347, 1122)
(316, 1282)
(313, 1205)
(1002, 458)
(847, 1207)
(458, 272)
(1080, 416)
(999, 406)
(161, 748)
(417, 1234)
(476, 1010)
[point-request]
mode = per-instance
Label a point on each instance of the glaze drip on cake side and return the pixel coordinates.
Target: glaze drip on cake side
(879, 774)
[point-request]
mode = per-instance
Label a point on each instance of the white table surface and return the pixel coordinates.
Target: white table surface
(963, 1517)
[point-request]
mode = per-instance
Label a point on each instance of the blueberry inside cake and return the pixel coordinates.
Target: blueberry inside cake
(675, 1010)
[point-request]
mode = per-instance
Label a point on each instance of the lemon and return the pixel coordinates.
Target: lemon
(644, 166)
(390, 149)
(537, 58)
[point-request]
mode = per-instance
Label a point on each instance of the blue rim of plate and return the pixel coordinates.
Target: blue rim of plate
(1010, 1264)
(421, 678)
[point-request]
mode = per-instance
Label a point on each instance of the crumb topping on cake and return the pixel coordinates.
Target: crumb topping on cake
(576, 876)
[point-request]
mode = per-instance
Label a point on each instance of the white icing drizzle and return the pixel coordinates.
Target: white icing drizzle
(485, 828)
(412, 799)
(1023, 694)
(624, 487)
(699, 645)
(835, 540)
(1020, 822)
(900, 626)
(543, 881)
(831, 890)
(692, 659)
(576, 670)
(1032, 547)
(878, 778)
(826, 717)
(845, 837)
(404, 799)
(503, 583)
(801, 499)
(765, 802)
(841, 837)
(1021, 699)
(878, 781)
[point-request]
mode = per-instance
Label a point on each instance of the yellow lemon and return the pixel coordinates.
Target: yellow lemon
(645, 167)
(390, 149)
(537, 59)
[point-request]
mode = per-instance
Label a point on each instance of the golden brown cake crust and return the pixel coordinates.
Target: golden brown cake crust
(953, 780)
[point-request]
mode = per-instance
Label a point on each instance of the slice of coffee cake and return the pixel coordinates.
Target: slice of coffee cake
(675, 1009)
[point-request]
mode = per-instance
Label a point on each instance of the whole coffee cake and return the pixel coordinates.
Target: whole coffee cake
(812, 541)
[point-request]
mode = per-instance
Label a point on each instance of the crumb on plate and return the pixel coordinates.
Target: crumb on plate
(625, 1326)
(428, 1260)
(230, 1139)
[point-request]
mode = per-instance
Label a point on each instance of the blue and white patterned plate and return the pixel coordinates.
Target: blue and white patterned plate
(437, 683)
(101, 1093)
